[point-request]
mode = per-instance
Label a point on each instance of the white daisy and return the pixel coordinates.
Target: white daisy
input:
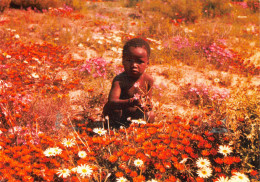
(152, 180)
(84, 170)
(34, 75)
(139, 121)
(49, 152)
(201, 163)
(57, 150)
(121, 179)
(224, 149)
(222, 179)
(74, 169)
(8, 56)
(204, 172)
(16, 36)
(239, 177)
(99, 131)
(64, 173)
(138, 162)
(68, 142)
(82, 154)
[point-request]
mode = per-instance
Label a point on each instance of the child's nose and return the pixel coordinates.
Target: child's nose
(134, 64)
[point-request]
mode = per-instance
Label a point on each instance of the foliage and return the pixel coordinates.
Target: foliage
(214, 8)
(242, 111)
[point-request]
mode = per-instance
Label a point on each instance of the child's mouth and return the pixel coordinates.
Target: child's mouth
(134, 71)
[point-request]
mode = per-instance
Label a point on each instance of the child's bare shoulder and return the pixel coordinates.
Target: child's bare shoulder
(148, 78)
(120, 77)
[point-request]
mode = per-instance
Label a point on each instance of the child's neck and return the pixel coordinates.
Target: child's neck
(134, 79)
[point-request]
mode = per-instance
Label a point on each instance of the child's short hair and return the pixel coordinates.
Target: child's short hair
(136, 42)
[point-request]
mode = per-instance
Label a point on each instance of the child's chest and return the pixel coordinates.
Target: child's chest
(129, 89)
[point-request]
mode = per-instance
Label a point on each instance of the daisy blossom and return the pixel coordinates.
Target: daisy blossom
(64, 173)
(84, 170)
(138, 121)
(138, 162)
(82, 154)
(222, 179)
(204, 172)
(99, 131)
(152, 180)
(239, 177)
(202, 163)
(49, 152)
(121, 179)
(224, 149)
(57, 150)
(74, 169)
(68, 142)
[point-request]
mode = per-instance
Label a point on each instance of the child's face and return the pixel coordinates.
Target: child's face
(135, 62)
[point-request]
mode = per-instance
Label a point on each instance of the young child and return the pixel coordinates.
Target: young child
(131, 90)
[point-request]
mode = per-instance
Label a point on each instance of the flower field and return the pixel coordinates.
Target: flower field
(57, 62)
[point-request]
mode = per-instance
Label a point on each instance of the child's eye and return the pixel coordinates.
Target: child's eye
(140, 61)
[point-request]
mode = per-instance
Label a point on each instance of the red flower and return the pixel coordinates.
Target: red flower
(219, 160)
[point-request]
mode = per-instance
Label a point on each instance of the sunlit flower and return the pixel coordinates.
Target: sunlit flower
(222, 179)
(138, 121)
(16, 36)
(8, 56)
(74, 169)
(80, 45)
(99, 131)
(138, 162)
(84, 170)
(152, 180)
(57, 150)
(1, 132)
(0, 147)
(64, 173)
(82, 154)
(121, 179)
(202, 163)
(136, 96)
(137, 84)
(68, 142)
(216, 80)
(239, 177)
(34, 75)
(204, 172)
(49, 152)
(224, 149)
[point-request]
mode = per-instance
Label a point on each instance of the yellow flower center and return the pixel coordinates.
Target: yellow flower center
(84, 170)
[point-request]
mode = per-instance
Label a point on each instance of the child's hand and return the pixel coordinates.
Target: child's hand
(136, 100)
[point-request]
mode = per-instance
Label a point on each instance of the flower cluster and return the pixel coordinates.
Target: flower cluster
(65, 11)
(205, 95)
(164, 151)
(226, 59)
(95, 66)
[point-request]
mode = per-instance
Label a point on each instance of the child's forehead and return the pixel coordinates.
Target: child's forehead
(136, 50)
